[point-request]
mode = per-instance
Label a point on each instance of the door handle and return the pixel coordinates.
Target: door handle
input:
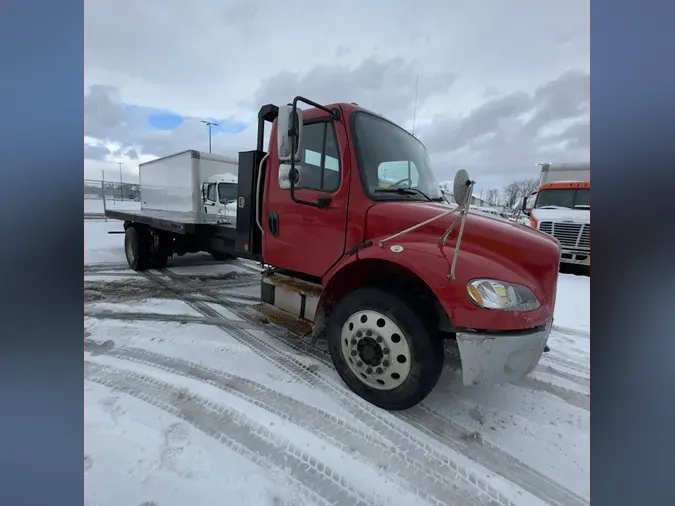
(273, 223)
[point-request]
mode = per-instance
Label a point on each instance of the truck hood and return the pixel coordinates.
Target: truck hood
(516, 251)
(580, 216)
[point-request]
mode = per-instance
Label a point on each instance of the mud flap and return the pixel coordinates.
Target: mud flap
(500, 358)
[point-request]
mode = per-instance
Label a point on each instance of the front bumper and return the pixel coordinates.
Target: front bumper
(500, 358)
(577, 257)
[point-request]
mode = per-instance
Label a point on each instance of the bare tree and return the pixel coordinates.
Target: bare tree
(511, 194)
(492, 197)
(528, 186)
(518, 190)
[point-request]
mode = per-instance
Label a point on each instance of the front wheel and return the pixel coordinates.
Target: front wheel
(382, 350)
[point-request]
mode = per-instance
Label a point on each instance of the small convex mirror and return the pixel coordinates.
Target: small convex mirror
(461, 188)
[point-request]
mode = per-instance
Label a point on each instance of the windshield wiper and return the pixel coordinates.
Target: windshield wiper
(403, 191)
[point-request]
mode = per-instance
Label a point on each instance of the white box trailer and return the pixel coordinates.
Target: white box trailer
(555, 172)
(174, 183)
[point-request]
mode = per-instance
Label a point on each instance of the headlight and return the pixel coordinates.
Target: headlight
(493, 294)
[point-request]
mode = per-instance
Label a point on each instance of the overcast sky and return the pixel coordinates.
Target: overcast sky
(502, 84)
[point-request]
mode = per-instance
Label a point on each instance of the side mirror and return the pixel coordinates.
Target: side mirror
(524, 206)
(285, 131)
(285, 177)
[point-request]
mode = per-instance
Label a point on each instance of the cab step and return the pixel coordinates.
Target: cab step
(296, 297)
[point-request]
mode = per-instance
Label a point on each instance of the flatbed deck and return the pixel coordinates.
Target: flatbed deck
(177, 222)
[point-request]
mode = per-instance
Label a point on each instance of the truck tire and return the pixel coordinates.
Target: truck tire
(382, 350)
(160, 259)
(160, 253)
(137, 248)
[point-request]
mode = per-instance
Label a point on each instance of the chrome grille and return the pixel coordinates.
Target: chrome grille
(572, 235)
(585, 239)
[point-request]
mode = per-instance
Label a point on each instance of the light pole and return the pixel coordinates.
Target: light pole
(121, 183)
(208, 124)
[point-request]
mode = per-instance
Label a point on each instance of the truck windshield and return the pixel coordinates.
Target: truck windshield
(570, 198)
(227, 192)
(393, 163)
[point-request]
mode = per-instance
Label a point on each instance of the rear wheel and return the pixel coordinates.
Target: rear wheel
(382, 350)
(137, 248)
(160, 251)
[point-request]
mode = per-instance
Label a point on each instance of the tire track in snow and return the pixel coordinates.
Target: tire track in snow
(164, 318)
(423, 481)
(489, 456)
(571, 332)
(454, 435)
(203, 261)
(247, 312)
(143, 288)
(386, 424)
(573, 365)
(234, 430)
(579, 380)
(451, 433)
(571, 397)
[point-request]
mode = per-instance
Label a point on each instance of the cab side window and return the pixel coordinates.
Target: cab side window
(320, 158)
(211, 192)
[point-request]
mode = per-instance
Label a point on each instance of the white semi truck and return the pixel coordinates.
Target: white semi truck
(561, 207)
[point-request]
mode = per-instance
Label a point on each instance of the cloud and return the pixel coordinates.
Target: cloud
(136, 129)
(95, 152)
(386, 87)
(503, 139)
(502, 85)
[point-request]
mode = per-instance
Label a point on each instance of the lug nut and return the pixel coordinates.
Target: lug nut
(353, 353)
(385, 351)
(369, 333)
(385, 363)
(353, 341)
(378, 370)
(369, 370)
(379, 339)
(359, 334)
(359, 364)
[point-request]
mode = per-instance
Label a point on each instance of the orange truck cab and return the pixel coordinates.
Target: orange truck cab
(362, 247)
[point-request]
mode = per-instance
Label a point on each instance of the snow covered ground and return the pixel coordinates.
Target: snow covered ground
(192, 397)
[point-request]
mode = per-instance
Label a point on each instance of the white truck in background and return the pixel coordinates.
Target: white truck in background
(561, 207)
(190, 182)
(219, 194)
(187, 189)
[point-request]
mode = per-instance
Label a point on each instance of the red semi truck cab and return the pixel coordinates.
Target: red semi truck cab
(324, 221)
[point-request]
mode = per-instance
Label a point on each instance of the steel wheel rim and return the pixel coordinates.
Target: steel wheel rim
(376, 350)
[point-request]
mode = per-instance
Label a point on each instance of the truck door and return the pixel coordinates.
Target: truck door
(299, 237)
(209, 197)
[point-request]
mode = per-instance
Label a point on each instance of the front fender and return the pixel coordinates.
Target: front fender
(431, 262)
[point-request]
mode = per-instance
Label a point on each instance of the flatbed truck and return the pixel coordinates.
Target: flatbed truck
(387, 273)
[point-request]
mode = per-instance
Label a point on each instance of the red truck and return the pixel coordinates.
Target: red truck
(361, 244)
